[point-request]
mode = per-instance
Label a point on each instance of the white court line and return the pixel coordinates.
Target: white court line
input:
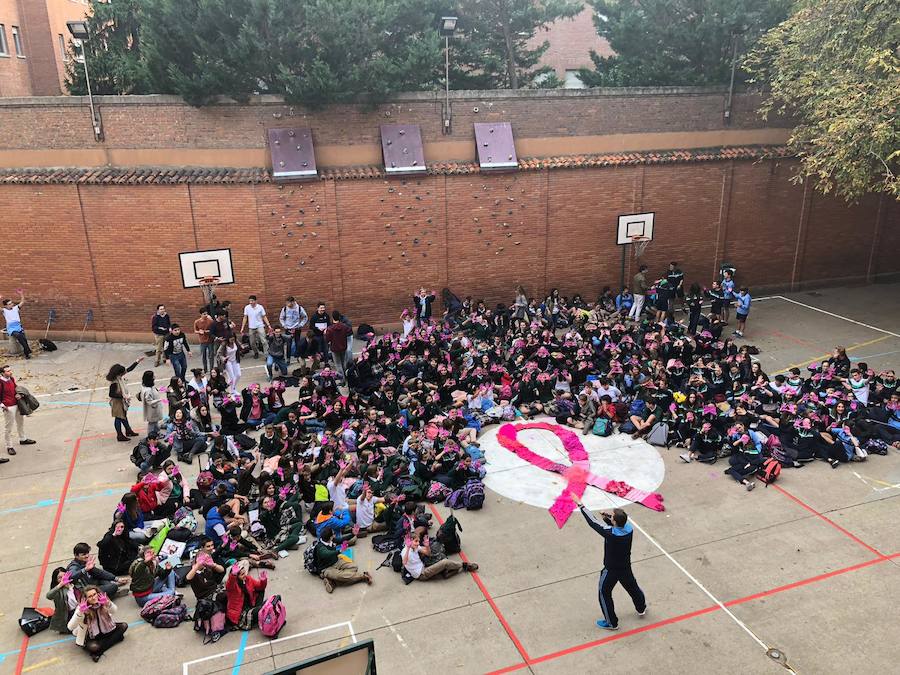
(837, 316)
(187, 664)
(701, 587)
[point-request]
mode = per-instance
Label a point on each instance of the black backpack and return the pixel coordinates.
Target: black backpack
(309, 559)
(136, 457)
(447, 535)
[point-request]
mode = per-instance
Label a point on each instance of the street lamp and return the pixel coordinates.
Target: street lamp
(79, 31)
(447, 29)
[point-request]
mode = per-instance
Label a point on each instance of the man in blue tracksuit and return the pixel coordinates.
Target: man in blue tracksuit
(617, 532)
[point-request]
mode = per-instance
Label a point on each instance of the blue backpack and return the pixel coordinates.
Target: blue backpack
(637, 407)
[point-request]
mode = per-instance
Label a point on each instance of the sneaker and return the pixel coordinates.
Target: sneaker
(601, 623)
(643, 612)
(750, 486)
(329, 586)
(302, 539)
(27, 441)
(4, 460)
(685, 457)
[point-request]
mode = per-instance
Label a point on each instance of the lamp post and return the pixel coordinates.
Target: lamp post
(79, 31)
(447, 29)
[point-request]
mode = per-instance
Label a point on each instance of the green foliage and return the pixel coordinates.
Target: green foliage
(492, 49)
(834, 67)
(676, 42)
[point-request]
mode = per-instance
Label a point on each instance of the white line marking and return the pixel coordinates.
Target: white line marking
(838, 316)
(347, 624)
(701, 586)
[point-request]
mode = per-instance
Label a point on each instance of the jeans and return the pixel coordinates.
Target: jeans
(122, 426)
(161, 587)
(278, 362)
(19, 337)
(179, 364)
(207, 355)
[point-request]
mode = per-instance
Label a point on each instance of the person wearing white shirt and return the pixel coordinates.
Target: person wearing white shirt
(14, 322)
(604, 388)
(365, 510)
(412, 554)
(256, 320)
(293, 318)
(338, 493)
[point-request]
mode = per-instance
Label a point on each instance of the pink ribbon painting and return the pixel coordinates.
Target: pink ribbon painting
(578, 475)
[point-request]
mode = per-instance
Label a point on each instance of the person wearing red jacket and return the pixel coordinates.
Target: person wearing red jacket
(336, 335)
(245, 595)
(146, 493)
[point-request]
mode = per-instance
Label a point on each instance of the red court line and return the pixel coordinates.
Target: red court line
(490, 600)
(690, 615)
(20, 662)
(829, 521)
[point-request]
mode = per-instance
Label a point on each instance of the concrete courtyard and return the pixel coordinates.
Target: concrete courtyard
(809, 566)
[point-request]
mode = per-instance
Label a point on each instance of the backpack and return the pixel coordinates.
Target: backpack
(602, 427)
(159, 605)
(172, 617)
(769, 471)
(309, 559)
(473, 494)
(455, 500)
(437, 492)
(659, 435)
(448, 536)
(876, 446)
(136, 457)
(47, 345)
(272, 616)
(383, 543)
(637, 407)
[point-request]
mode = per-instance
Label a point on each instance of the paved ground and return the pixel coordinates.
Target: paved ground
(809, 566)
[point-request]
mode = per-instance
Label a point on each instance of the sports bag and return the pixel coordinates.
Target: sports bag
(637, 407)
(769, 471)
(33, 622)
(602, 427)
(272, 616)
(473, 494)
(448, 536)
(172, 617)
(159, 605)
(659, 435)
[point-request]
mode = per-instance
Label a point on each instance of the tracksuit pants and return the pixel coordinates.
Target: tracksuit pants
(608, 580)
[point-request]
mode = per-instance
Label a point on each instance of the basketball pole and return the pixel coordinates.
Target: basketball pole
(622, 274)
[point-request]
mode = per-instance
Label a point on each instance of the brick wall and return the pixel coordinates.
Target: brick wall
(571, 42)
(114, 248)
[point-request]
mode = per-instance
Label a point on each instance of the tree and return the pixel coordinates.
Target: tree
(492, 49)
(834, 67)
(676, 42)
(113, 51)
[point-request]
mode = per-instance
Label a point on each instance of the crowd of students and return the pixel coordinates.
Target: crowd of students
(355, 449)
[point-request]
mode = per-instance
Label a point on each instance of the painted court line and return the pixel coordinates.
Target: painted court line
(490, 600)
(838, 316)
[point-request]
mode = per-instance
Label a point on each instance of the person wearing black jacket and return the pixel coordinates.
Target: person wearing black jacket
(618, 533)
(318, 323)
(116, 551)
(160, 326)
(422, 303)
(176, 350)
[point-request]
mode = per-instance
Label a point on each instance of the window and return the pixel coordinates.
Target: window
(62, 48)
(17, 41)
(3, 49)
(573, 81)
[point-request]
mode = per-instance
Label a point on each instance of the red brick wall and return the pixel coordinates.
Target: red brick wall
(571, 42)
(120, 258)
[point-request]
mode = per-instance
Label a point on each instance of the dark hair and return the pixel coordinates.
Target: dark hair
(175, 325)
(289, 298)
(148, 378)
(81, 548)
(204, 310)
(56, 575)
(695, 288)
(336, 315)
(251, 297)
(642, 268)
(744, 289)
(327, 534)
(409, 508)
(196, 371)
(619, 517)
(319, 304)
(116, 370)
(674, 263)
(160, 305)
(225, 510)
(203, 540)
(153, 436)
(326, 507)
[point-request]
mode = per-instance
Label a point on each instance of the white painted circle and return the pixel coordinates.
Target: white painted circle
(618, 457)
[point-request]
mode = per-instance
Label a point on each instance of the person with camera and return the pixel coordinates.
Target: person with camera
(618, 533)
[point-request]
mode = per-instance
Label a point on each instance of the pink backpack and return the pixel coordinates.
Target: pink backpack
(272, 616)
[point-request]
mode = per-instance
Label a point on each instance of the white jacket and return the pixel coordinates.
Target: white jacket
(78, 623)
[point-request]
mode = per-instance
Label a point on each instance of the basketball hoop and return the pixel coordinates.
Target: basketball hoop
(639, 244)
(208, 287)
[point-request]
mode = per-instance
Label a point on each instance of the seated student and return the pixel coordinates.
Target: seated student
(83, 572)
(338, 493)
(117, 550)
(217, 523)
(705, 446)
(283, 531)
(94, 624)
(236, 546)
(187, 439)
(150, 579)
(129, 512)
(746, 458)
(152, 452)
(245, 595)
(644, 421)
(418, 545)
(365, 512)
(65, 599)
(336, 570)
(205, 578)
(337, 521)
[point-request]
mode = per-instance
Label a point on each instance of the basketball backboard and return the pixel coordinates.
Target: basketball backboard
(198, 265)
(634, 228)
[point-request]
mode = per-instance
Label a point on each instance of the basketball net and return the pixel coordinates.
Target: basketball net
(639, 244)
(208, 288)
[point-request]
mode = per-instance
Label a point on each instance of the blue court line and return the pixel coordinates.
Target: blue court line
(14, 652)
(239, 657)
(872, 356)
(53, 502)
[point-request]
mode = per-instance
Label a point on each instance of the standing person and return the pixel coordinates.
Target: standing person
(520, 305)
(14, 322)
(202, 328)
(152, 402)
(222, 329)
(639, 288)
(160, 326)
(349, 353)
(743, 310)
(694, 303)
(319, 323)
(423, 301)
(292, 319)
(119, 399)
(618, 533)
(256, 320)
(675, 277)
(229, 355)
(12, 416)
(177, 349)
(727, 293)
(336, 335)
(278, 353)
